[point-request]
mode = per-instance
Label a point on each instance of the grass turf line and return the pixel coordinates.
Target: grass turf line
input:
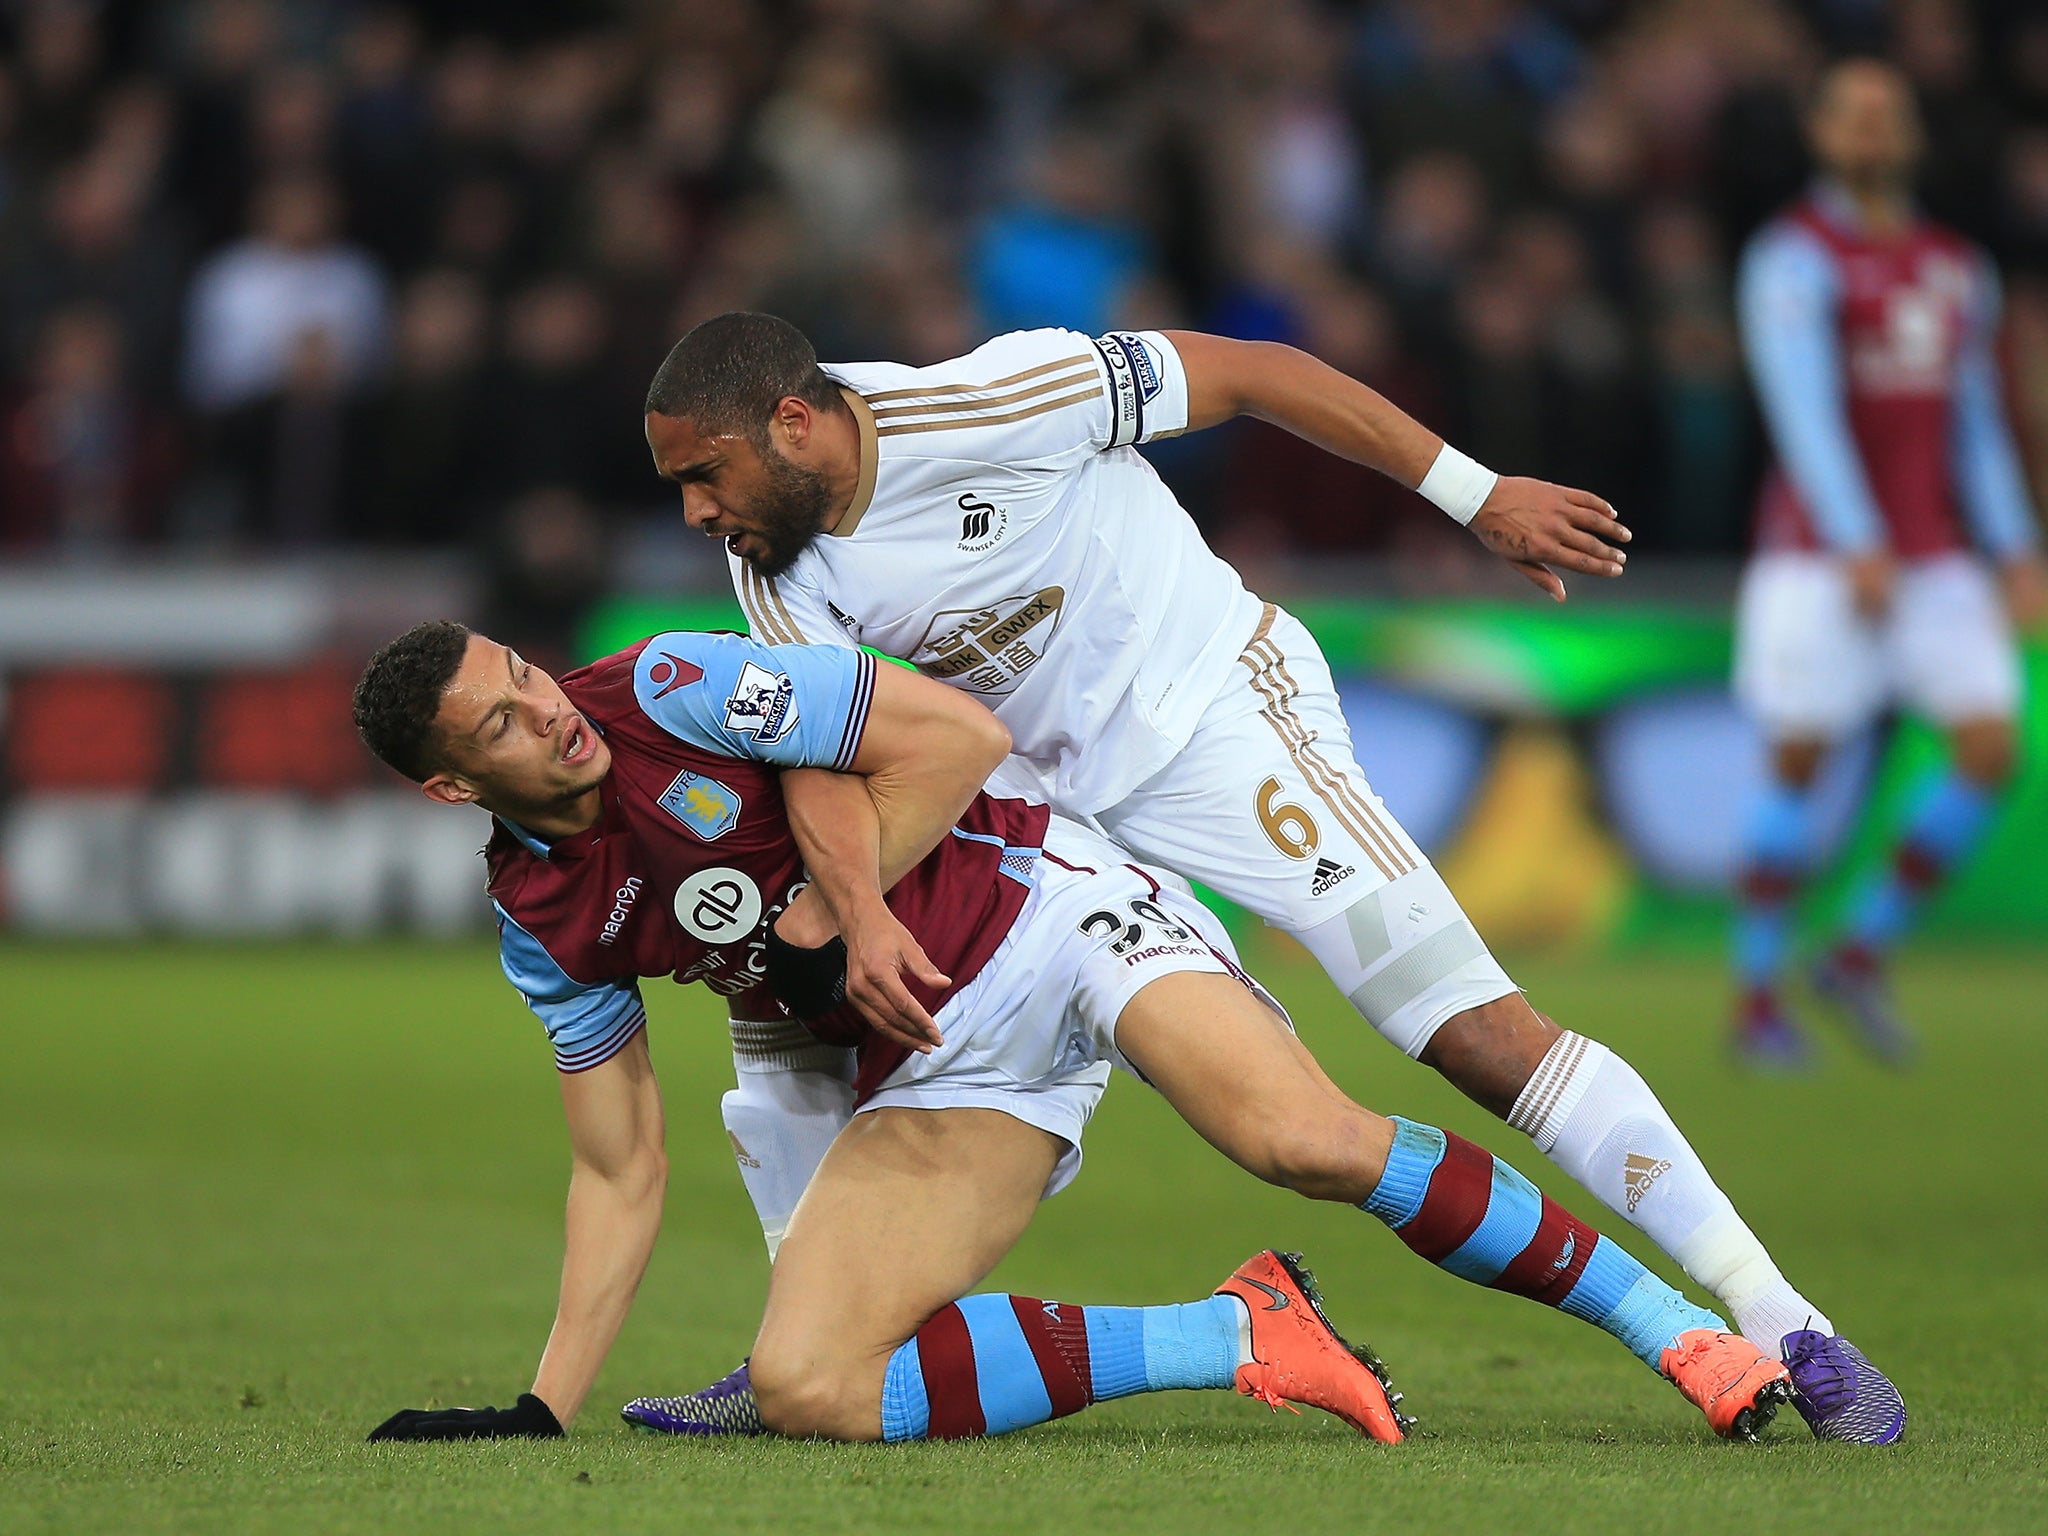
(253, 1199)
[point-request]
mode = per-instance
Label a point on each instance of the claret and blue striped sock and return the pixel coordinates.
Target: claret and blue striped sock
(1776, 850)
(993, 1363)
(1466, 1211)
(1946, 823)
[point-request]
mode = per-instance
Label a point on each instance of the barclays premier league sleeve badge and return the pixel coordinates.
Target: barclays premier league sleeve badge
(762, 705)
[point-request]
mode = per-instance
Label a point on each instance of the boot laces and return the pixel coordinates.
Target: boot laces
(1260, 1386)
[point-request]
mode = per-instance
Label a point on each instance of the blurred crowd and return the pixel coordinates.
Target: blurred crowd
(323, 273)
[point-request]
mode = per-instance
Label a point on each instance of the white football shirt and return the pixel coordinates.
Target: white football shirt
(1006, 537)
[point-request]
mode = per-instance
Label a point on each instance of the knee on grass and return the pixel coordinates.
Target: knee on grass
(813, 1402)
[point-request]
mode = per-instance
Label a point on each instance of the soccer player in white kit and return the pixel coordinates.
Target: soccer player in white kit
(990, 521)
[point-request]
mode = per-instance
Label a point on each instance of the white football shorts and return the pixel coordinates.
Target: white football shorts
(1807, 664)
(1267, 806)
(1034, 1033)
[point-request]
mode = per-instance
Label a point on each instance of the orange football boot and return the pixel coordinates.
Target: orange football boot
(1297, 1357)
(1736, 1385)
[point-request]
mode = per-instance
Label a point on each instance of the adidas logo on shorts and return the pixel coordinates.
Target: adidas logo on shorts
(1328, 874)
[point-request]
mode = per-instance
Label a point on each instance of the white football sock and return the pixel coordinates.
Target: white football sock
(1245, 1356)
(1598, 1120)
(794, 1096)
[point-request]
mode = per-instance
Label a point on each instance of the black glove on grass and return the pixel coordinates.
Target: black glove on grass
(528, 1419)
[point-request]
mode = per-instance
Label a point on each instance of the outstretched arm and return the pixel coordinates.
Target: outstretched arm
(924, 755)
(618, 1177)
(1537, 527)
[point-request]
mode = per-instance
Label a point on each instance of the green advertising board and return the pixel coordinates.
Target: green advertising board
(1530, 662)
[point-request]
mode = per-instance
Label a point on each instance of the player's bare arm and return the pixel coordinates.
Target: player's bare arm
(1539, 528)
(924, 756)
(2025, 580)
(835, 823)
(618, 1177)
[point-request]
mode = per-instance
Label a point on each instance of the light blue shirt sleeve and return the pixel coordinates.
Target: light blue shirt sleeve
(1786, 294)
(1987, 462)
(797, 706)
(588, 1023)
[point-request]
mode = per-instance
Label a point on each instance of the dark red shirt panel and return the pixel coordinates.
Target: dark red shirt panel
(1904, 311)
(691, 858)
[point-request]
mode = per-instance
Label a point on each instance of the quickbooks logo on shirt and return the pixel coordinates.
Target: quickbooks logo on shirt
(718, 905)
(983, 526)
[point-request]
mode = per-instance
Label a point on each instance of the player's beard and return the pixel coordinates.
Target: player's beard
(789, 512)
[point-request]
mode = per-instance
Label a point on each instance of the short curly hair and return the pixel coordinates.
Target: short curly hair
(730, 372)
(398, 697)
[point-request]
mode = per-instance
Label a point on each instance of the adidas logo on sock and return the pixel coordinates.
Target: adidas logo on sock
(1328, 874)
(1638, 1173)
(748, 1160)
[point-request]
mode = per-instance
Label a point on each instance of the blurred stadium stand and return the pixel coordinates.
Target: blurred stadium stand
(317, 318)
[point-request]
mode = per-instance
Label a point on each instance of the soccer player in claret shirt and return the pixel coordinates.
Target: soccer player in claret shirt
(1871, 334)
(991, 521)
(642, 830)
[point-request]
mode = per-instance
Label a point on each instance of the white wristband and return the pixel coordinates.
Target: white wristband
(1458, 483)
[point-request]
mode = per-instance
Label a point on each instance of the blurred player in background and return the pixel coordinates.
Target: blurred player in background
(991, 521)
(1870, 332)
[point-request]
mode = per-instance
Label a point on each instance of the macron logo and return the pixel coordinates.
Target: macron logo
(671, 673)
(622, 908)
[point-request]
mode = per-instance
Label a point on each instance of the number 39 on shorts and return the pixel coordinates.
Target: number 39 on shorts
(1290, 828)
(1125, 937)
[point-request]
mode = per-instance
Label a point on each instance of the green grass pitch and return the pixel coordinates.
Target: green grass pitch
(253, 1199)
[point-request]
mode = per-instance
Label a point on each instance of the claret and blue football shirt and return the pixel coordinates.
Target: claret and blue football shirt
(691, 856)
